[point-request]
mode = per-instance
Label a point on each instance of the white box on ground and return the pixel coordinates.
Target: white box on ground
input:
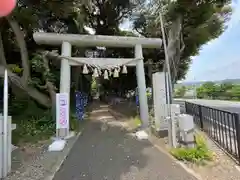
(186, 127)
(186, 122)
(57, 145)
(141, 135)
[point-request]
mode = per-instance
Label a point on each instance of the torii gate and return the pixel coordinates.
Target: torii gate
(68, 40)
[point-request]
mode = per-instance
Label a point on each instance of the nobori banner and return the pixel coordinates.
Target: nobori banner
(62, 111)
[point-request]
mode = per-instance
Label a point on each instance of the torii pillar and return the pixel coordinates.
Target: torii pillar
(141, 82)
(65, 81)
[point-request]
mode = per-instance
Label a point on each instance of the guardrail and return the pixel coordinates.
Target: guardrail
(221, 126)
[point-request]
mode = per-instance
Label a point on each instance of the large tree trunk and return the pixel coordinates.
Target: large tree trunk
(22, 82)
(32, 92)
(174, 45)
(2, 53)
(23, 49)
(51, 88)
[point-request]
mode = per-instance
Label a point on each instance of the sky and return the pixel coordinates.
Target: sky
(220, 58)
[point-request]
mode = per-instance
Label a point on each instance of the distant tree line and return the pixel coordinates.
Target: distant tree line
(180, 91)
(211, 90)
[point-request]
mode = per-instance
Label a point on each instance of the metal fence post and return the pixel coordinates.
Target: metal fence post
(186, 107)
(237, 125)
(200, 116)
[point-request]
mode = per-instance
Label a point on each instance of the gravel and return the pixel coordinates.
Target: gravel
(37, 163)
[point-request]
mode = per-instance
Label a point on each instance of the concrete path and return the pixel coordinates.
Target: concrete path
(114, 154)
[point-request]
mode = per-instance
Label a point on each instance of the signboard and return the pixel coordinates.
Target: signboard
(62, 111)
(91, 54)
(159, 100)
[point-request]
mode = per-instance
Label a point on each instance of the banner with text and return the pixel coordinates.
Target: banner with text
(62, 110)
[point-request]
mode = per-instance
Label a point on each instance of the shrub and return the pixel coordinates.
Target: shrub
(199, 153)
(35, 123)
(137, 121)
(149, 95)
(75, 124)
(134, 122)
(33, 129)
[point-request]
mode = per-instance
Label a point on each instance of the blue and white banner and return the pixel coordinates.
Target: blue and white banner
(81, 103)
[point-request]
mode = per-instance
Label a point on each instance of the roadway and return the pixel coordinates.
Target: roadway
(230, 106)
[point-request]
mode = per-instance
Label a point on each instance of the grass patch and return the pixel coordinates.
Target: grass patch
(33, 129)
(199, 154)
(77, 125)
(134, 122)
(35, 124)
(137, 121)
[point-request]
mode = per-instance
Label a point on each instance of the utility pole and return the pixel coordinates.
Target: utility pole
(168, 81)
(194, 89)
(167, 63)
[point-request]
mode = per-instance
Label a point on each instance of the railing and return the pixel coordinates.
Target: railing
(221, 126)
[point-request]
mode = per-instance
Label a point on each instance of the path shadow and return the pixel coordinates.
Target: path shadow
(113, 154)
(126, 110)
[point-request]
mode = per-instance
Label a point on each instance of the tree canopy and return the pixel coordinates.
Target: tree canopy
(225, 91)
(188, 25)
(37, 75)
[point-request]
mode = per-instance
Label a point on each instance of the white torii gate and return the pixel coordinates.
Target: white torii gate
(68, 40)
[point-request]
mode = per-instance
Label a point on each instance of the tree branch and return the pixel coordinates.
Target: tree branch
(2, 53)
(32, 92)
(23, 48)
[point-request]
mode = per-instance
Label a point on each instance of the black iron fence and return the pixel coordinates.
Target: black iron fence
(221, 126)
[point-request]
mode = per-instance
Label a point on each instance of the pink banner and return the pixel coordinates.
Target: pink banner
(62, 110)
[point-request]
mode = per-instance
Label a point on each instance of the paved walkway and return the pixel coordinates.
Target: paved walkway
(113, 154)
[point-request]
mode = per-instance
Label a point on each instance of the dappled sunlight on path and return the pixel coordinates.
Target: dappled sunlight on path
(114, 154)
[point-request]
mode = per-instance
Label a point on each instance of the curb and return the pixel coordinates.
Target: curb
(55, 168)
